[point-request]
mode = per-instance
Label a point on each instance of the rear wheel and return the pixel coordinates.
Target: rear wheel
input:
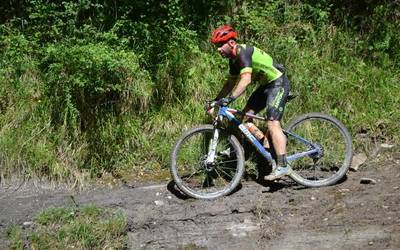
(199, 179)
(331, 162)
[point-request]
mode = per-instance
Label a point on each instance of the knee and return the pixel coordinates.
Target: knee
(274, 126)
(249, 110)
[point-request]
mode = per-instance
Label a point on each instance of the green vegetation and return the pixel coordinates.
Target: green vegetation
(70, 228)
(92, 87)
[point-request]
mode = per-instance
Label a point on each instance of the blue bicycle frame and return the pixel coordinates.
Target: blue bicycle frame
(228, 113)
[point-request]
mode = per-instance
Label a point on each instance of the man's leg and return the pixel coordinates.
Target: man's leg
(279, 144)
(256, 101)
(276, 100)
(277, 137)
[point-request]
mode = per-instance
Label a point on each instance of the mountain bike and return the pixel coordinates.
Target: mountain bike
(207, 161)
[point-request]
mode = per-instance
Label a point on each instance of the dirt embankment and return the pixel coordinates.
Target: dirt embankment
(349, 215)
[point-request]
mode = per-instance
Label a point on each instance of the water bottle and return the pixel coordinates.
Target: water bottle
(258, 134)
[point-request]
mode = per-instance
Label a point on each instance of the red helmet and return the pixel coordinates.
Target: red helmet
(223, 34)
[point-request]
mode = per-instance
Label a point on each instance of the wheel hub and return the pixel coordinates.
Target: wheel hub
(208, 166)
(319, 154)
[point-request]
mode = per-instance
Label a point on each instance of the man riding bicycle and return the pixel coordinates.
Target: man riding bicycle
(244, 62)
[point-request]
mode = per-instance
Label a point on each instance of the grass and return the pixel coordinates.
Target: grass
(89, 227)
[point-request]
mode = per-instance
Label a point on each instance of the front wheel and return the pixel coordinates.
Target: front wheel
(197, 177)
(333, 141)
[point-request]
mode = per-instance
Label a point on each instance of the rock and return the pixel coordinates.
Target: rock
(367, 181)
(266, 189)
(357, 161)
(242, 229)
(387, 146)
(312, 198)
(27, 224)
(380, 149)
(159, 203)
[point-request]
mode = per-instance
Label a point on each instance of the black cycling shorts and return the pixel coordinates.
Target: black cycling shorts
(272, 96)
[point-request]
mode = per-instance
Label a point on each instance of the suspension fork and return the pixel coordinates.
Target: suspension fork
(212, 146)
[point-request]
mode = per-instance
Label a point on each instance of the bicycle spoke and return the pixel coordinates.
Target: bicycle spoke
(206, 182)
(224, 162)
(221, 178)
(199, 171)
(226, 174)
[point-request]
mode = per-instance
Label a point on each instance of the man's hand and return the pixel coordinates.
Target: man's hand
(209, 107)
(210, 111)
(225, 101)
(221, 102)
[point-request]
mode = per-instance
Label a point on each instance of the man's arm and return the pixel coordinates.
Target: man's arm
(245, 80)
(228, 86)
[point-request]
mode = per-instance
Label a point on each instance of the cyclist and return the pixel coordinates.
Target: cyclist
(247, 62)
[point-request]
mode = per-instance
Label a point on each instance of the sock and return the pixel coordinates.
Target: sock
(281, 160)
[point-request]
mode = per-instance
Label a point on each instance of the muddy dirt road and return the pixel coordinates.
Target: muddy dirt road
(349, 215)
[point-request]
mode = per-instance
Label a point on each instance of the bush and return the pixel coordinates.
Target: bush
(86, 81)
(93, 87)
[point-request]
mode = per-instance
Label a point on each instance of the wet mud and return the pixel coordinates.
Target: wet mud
(282, 215)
